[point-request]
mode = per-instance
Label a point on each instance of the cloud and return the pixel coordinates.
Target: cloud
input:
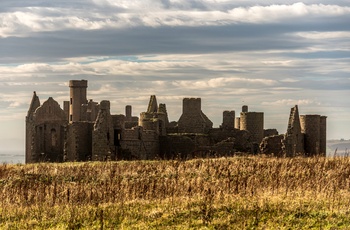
(25, 21)
(220, 82)
(270, 54)
(291, 102)
(324, 35)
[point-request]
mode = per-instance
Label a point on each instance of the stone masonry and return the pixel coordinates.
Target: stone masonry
(86, 130)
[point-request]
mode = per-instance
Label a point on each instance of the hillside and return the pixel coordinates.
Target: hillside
(225, 193)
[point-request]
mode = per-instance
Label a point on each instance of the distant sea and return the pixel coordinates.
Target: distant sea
(12, 157)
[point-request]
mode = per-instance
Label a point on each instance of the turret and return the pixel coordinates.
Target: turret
(77, 99)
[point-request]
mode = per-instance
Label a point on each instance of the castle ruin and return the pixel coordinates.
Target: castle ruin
(86, 130)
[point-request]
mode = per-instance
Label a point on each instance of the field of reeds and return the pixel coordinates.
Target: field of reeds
(225, 193)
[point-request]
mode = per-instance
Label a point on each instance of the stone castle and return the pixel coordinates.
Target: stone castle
(85, 130)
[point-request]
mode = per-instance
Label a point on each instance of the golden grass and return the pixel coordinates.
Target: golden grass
(225, 193)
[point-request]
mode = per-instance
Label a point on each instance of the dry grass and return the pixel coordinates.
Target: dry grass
(232, 193)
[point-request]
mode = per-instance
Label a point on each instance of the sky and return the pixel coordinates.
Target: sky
(269, 55)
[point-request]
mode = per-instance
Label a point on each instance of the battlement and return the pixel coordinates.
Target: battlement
(78, 83)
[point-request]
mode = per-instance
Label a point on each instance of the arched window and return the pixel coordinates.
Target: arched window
(53, 137)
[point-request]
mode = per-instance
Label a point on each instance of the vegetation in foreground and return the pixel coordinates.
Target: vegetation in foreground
(225, 193)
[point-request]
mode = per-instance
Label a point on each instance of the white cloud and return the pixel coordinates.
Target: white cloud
(324, 35)
(289, 80)
(152, 14)
(278, 62)
(291, 102)
(220, 82)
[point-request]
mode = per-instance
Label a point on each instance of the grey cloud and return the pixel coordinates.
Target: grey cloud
(271, 50)
(53, 46)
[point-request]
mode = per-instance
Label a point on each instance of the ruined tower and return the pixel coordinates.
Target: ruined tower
(156, 118)
(228, 120)
(193, 120)
(77, 99)
(30, 126)
(314, 129)
(103, 134)
(293, 140)
(128, 112)
(254, 123)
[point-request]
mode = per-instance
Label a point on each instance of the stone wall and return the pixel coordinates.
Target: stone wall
(242, 138)
(103, 135)
(141, 144)
(49, 122)
(237, 123)
(293, 141)
(93, 133)
(30, 128)
(272, 145)
(184, 146)
(78, 144)
(49, 142)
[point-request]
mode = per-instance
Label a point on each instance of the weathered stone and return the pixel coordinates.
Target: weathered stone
(270, 132)
(193, 120)
(272, 145)
(45, 131)
(293, 142)
(87, 131)
(254, 123)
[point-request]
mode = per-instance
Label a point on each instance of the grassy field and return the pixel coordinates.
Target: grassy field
(230, 193)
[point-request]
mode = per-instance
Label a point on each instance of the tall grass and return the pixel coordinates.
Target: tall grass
(236, 193)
